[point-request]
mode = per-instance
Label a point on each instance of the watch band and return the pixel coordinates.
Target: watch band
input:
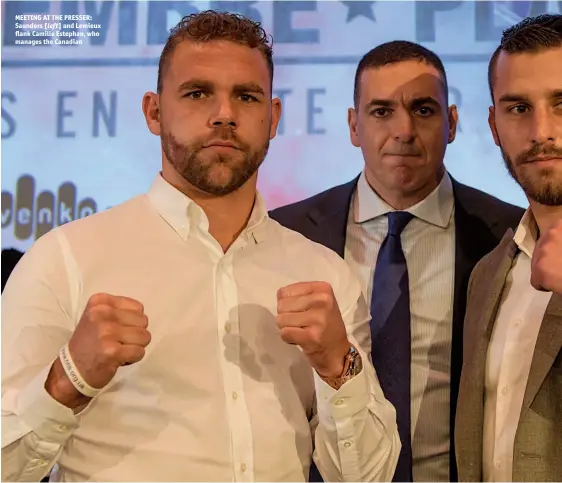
(351, 367)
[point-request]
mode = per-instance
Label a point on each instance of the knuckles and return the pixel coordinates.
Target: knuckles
(109, 351)
(100, 313)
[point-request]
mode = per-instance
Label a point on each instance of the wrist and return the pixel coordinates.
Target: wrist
(335, 364)
(352, 365)
(60, 388)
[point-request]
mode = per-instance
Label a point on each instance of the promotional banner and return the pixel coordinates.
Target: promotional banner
(74, 139)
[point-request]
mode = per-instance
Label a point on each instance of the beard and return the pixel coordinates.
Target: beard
(216, 174)
(542, 185)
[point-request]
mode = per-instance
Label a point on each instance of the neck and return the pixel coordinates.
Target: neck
(228, 215)
(400, 200)
(545, 216)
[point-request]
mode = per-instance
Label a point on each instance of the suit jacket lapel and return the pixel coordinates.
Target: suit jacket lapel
(549, 343)
(329, 218)
(507, 250)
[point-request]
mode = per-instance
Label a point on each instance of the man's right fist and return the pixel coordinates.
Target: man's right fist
(112, 332)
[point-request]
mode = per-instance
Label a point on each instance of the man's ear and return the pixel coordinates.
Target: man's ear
(352, 123)
(151, 111)
(492, 124)
(276, 111)
(453, 123)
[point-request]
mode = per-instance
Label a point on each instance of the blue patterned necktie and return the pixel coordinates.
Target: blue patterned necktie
(390, 332)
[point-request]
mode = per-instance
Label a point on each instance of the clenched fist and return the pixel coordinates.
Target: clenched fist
(546, 268)
(309, 316)
(112, 332)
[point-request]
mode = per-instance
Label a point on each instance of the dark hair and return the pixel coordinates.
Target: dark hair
(394, 52)
(211, 25)
(530, 35)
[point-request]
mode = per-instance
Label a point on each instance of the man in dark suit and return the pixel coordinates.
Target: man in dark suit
(412, 234)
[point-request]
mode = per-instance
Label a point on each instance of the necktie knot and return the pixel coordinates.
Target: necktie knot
(397, 221)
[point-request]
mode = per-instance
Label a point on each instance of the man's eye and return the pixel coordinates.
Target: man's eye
(247, 98)
(425, 111)
(194, 94)
(519, 109)
(380, 112)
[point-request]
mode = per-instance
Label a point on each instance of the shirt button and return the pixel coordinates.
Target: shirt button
(517, 322)
(227, 327)
(243, 467)
(498, 464)
(62, 427)
(339, 402)
(235, 395)
(504, 390)
(347, 444)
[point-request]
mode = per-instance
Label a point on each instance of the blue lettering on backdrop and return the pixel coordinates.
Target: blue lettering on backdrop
(485, 29)
(158, 31)
(71, 8)
(100, 17)
(102, 112)
(7, 118)
(435, 23)
(63, 113)
(426, 18)
(283, 32)
(128, 22)
(243, 8)
(312, 110)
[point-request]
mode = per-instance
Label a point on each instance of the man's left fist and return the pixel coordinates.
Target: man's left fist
(309, 316)
(546, 268)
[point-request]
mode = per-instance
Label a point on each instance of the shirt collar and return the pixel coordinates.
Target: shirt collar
(182, 213)
(526, 234)
(436, 208)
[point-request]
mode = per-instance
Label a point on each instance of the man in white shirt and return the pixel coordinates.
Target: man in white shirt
(509, 418)
(402, 122)
(184, 335)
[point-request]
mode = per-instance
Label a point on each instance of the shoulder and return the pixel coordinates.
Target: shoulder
(495, 214)
(112, 221)
(289, 215)
(301, 247)
(486, 268)
(92, 234)
(492, 210)
(314, 261)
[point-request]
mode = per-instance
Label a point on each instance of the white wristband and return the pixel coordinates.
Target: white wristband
(72, 372)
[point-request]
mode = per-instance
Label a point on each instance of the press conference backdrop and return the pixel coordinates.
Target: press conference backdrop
(74, 140)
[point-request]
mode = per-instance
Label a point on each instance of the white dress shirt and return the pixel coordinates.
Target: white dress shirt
(510, 354)
(218, 396)
(428, 242)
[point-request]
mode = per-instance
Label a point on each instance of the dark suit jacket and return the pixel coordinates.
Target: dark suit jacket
(10, 258)
(537, 453)
(480, 221)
